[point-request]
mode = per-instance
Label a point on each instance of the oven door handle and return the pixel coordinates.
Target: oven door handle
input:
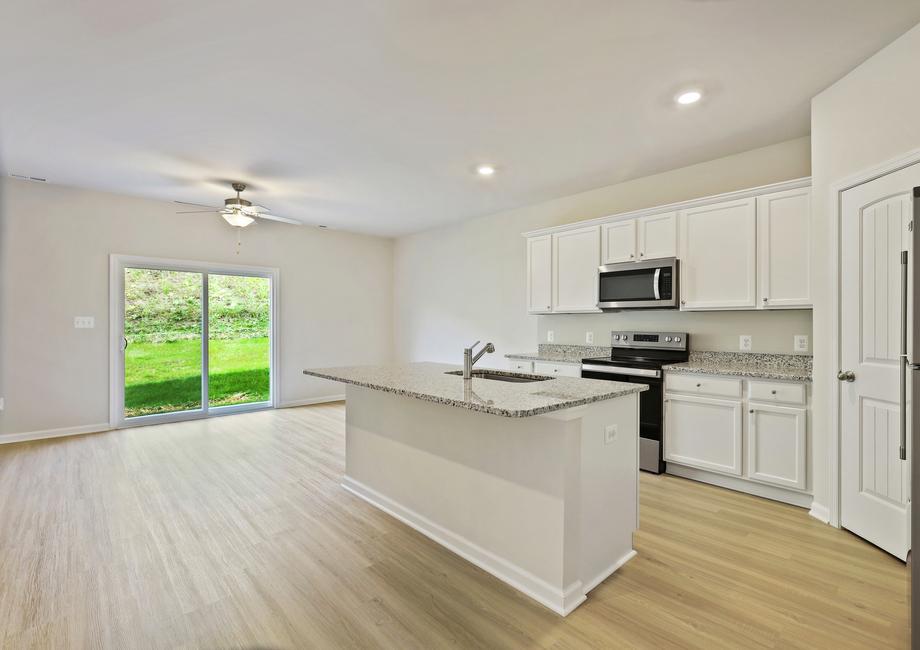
(621, 370)
(656, 283)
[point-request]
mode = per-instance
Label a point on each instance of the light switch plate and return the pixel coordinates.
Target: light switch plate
(2, 403)
(550, 336)
(84, 322)
(589, 337)
(800, 343)
(610, 433)
(745, 343)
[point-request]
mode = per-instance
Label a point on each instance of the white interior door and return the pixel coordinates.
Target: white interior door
(875, 222)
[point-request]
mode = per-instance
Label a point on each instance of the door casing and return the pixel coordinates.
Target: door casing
(830, 512)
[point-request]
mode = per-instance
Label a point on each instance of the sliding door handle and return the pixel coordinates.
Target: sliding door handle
(126, 344)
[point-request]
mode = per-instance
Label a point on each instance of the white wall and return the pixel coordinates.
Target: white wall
(466, 281)
(336, 294)
(870, 116)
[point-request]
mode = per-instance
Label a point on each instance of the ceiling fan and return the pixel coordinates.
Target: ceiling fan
(237, 211)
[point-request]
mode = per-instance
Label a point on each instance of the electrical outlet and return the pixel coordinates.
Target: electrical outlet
(744, 343)
(800, 343)
(610, 433)
(550, 336)
(84, 322)
(589, 337)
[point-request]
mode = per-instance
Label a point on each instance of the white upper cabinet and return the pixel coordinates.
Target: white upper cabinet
(618, 242)
(576, 256)
(540, 274)
(657, 236)
(637, 240)
(717, 251)
(783, 249)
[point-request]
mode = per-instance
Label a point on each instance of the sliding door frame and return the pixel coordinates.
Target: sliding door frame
(117, 265)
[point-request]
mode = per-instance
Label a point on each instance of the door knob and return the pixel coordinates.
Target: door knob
(846, 375)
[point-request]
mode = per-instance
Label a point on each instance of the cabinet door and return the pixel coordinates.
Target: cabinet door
(717, 246)
(618, 241)
(704, 433)
(775, 444)
(576, 255)
(557, 369)
(539, 274)
(784, 249)
(657, 236)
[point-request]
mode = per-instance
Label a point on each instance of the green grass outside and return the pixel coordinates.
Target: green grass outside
(166, 377)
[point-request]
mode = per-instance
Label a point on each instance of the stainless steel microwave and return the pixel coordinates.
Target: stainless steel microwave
(639, 285)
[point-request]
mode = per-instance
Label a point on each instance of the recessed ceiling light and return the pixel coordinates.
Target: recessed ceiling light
(485, 170)
(689, 97)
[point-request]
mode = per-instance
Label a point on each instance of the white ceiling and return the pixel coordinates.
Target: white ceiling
(369, 115)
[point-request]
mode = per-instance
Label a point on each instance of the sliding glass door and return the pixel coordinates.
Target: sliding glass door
(190, 339)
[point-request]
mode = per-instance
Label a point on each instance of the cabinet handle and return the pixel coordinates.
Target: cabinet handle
(751, 411)
(683, 302)
(631, 256)
(698, 385)
(773, 392)
(765, 300)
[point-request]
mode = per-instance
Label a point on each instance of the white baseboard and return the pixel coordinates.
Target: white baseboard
(819, 512)
(63, 432)
(312, 400)
(561, 601)
(800, 499)
(609, 571)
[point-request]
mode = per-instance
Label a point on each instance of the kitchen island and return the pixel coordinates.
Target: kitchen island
(534, 479)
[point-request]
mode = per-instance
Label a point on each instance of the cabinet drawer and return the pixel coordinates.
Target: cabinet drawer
(769, 391)
(703, 385)
(557, 369)
(520, 366)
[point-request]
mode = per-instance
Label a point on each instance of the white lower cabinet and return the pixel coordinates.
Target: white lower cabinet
(704, 432)
(518, 365)
(767, 449)
(775, 444)
(557, 369)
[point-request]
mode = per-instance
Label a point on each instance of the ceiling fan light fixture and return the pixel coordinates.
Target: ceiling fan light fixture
(237, 219)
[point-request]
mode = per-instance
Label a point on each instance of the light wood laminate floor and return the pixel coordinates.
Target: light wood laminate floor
(234, 532)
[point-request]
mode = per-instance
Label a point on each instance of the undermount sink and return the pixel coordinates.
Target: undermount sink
(498, 375)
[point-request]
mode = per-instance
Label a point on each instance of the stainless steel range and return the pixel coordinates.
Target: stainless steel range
(637, 357)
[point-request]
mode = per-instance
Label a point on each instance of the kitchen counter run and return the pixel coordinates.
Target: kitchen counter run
(785, 367)
(428, 381)
(559, 353)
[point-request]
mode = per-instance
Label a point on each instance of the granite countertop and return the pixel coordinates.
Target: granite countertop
(428, 381)
(558, 353)
(789, 367)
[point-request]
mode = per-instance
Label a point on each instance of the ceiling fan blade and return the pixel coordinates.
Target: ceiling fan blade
(272, 217)
(200, 205)
(196, 211)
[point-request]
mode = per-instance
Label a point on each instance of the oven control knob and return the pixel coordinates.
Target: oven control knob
(625, 337)
(616, 337)
(677, 339)
(667, 339)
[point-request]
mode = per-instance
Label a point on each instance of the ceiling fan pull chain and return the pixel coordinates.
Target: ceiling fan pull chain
(239, 232)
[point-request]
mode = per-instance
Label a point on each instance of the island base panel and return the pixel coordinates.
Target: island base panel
(548, 504)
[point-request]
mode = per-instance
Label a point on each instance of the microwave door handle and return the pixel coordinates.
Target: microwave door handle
(656, 283)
